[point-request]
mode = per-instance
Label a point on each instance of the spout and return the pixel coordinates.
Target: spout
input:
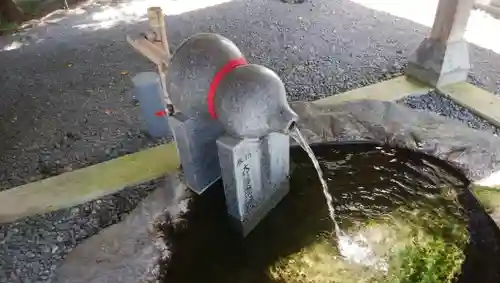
(289, 119)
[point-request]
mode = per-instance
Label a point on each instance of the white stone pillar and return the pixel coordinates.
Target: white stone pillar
(443, 57)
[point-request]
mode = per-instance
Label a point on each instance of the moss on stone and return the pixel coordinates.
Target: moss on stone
(320, 263)
(419, 246)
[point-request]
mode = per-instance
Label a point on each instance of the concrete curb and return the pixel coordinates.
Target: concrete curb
(490, 9)
(390, 90)
(80, 186)
(479, 101)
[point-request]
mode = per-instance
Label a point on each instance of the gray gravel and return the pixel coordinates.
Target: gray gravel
(55, 159)
(435, 102)
(72, 79)
(65, 100)
(31, 249)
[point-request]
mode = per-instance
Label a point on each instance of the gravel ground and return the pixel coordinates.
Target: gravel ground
(72, 76)
(53, 159)
(31, 249)
(65, 100)
(435, 102)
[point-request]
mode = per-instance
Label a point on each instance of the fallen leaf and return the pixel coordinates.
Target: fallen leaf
(123, 73)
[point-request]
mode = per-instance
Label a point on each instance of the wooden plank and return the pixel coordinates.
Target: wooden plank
(479, 101)
(86, 184)
(389, 90)
(153, 51)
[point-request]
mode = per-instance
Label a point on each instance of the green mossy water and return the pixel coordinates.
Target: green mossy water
(406, 207)
(420, 246)
(430, 256)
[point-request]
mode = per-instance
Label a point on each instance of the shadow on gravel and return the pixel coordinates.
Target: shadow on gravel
(77, 79)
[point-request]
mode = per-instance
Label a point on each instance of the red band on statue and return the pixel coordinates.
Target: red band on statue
(227, 68)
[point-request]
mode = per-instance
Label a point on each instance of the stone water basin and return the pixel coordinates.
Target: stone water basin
(413, 212)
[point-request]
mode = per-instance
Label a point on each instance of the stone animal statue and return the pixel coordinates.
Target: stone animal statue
(209, 76)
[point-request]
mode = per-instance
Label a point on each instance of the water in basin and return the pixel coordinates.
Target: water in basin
(402, 217)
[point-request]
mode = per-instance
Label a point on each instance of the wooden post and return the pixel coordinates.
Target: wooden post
(443, 57)
(157, 25)
(154, 46)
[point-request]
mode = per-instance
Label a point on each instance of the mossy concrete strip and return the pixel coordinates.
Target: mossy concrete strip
(86, 184)
(490, 199)
(390, 90)
(485, 105)
(479, 101)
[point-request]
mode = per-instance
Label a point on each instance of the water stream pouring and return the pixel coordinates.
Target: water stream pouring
(353, 248)
(233, 122)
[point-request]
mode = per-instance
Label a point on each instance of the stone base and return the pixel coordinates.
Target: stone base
(196, 144)
(245, 226)
(439, 64)
(255, 175)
